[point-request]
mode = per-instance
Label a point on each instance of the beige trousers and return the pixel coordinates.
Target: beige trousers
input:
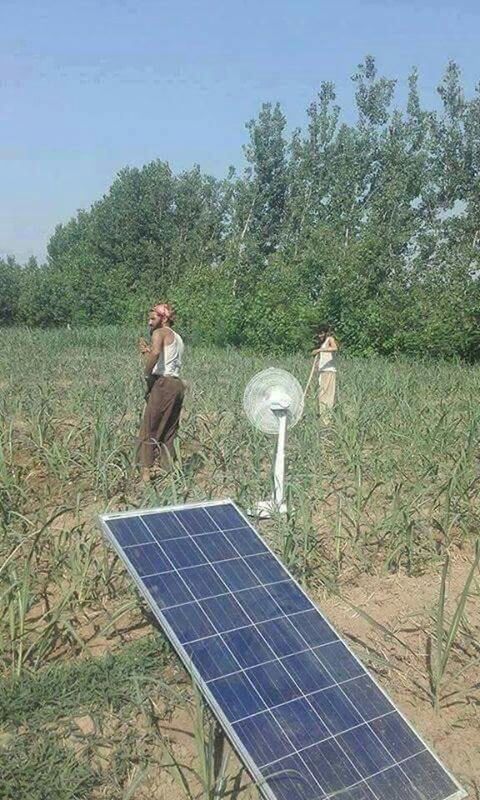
(326, 393)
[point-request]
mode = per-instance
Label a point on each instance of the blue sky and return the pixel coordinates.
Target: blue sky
(89, 86)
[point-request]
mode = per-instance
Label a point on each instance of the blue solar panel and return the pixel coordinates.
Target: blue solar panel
(303, 713)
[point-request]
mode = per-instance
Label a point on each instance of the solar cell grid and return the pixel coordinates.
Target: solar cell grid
(302, 711)
(167, 590)
(163, 526)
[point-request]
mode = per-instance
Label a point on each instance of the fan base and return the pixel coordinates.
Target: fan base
(266, 509)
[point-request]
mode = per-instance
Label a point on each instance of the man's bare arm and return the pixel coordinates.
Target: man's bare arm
(156, 347)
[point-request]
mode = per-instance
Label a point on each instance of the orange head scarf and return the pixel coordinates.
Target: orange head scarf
(165, 311)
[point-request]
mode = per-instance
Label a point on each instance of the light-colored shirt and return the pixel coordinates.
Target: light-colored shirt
(170, 359)
(326, 359)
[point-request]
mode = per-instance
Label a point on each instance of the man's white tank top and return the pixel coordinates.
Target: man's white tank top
(170, 360)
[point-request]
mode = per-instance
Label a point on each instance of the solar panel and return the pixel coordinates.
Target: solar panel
(303, 713)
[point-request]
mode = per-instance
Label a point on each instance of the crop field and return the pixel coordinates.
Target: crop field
(383, 533)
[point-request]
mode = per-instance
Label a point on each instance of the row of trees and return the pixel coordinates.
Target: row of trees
(373, 226)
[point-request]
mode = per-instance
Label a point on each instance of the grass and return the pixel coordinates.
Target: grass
(82, 686)
(43, 753)
(40, 768)
(391, 487)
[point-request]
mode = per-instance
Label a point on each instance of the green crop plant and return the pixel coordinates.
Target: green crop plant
(448, 633)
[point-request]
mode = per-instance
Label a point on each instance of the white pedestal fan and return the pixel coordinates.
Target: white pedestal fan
(273, 402)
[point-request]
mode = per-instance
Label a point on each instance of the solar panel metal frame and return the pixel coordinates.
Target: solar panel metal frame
(254, 770)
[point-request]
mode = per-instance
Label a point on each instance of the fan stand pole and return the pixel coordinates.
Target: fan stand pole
(279, 464)
(276, 505)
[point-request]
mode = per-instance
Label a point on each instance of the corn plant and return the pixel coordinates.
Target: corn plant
(448, 633)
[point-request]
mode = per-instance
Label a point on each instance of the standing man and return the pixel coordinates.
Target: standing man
(165, 390)
(327, 371)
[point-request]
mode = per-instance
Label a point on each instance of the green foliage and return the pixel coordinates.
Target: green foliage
(207, 304)
(10, 278)
(278, 316)
(373, 95)
(372, 225)
(266, 153)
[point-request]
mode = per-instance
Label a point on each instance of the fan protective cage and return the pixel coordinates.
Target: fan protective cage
(272, 387)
